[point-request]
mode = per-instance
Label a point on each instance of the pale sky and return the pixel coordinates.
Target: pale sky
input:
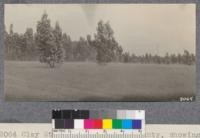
(138, 28)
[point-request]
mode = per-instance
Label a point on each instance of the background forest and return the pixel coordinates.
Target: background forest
(101, 48)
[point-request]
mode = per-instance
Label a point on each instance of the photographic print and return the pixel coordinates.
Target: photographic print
(100, 52)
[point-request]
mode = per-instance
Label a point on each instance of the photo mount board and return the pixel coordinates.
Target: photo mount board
(40, 112)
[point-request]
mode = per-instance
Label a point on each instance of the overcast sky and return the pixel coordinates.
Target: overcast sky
(139, 28)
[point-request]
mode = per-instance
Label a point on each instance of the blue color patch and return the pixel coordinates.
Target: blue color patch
(137, 124)
(127, 124)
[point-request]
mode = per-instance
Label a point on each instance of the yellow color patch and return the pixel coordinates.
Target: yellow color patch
(107, 123)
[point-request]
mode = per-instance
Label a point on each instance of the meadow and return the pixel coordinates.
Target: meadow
(87, 81)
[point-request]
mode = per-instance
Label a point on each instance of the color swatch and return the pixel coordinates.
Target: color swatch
(107, 123)
(97, 124)
(83, 119)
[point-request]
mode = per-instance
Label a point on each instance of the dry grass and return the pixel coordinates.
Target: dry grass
(33, 81)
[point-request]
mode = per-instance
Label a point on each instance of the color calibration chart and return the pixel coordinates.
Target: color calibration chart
(98, 123)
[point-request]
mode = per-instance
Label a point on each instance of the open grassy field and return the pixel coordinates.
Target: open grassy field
(33, 81)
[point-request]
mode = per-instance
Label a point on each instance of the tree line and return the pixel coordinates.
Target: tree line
(101, 48)
(184, 58)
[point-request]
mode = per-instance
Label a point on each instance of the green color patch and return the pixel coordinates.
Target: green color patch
(117, 124)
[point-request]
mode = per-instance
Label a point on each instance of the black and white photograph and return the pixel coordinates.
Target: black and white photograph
(99, 52)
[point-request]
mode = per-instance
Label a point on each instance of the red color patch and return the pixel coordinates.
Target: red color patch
(97, 124)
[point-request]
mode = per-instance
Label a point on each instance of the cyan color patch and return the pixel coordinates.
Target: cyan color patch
(127, 124)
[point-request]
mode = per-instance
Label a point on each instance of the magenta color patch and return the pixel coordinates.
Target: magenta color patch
(88, 123)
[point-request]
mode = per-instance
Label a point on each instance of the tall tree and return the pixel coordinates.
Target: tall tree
(127, 57)
(58, 35)
(93, 52)
(167, 58)
(46, 41)
(82, 50)
(119, 52)
(67, 45)
(186, 57)
(44, 36)
(60, 52)
(11, 29)
(9, 42)
(105, 43)
(31, 50)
